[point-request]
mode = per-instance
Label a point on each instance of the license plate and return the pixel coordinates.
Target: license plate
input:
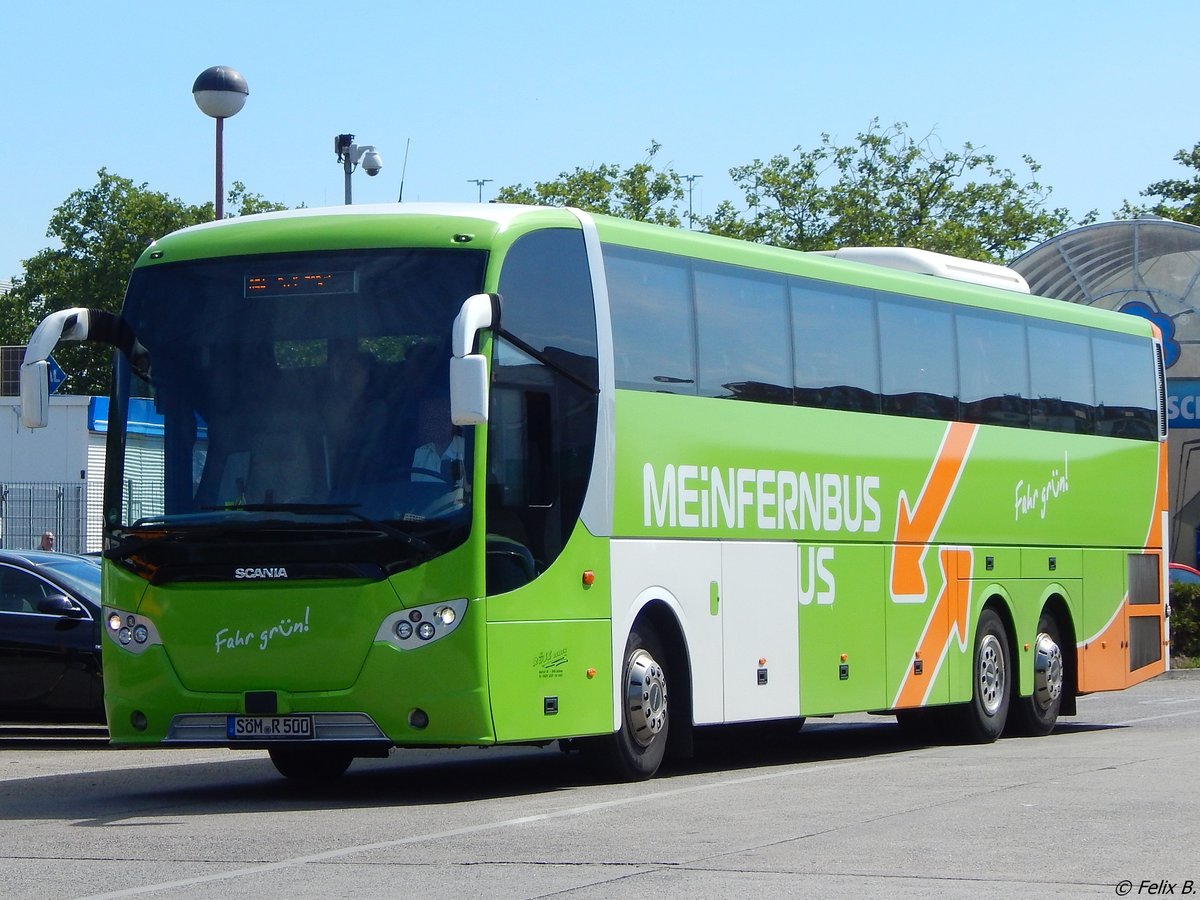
(269, 728)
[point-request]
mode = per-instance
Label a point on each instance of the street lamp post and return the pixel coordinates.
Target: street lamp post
(350, 154)
(220, 92)
(691, 180)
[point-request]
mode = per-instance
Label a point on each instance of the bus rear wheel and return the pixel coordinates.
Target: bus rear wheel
(1036, 714)
(982, 720)
(311, 763)
(637, 749)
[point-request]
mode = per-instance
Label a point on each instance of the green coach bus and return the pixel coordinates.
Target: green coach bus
(444, 475)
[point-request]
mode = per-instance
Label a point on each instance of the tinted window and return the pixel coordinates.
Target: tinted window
(1125, 398)
(692, 326)
(919, 374)
(653, 337)
(993, 369)
(836, 347)
(547, 294)
(742, 319)
(1060, 377)
(20, 591)
(316, 397)
(541, 435)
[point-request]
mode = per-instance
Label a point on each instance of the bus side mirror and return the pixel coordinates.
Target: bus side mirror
(35, 394)
(64, 325)
(76, 324)
(468, 370)
(469, 389)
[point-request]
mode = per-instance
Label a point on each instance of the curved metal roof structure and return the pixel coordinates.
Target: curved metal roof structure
(1146, 266)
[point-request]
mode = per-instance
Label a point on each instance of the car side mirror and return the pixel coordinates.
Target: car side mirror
(60, 605)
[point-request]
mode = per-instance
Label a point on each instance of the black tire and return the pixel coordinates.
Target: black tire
(1035, 715)
(311, 763)
(636, 750)
(983, 719)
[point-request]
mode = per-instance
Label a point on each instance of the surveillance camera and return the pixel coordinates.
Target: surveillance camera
(372, 162)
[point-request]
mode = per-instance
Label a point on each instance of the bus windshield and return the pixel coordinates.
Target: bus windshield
(308, 390)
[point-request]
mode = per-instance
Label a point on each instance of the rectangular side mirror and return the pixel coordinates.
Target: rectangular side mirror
(35, 394)
(469, 389)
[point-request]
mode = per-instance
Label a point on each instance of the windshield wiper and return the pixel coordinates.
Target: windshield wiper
(332, 509)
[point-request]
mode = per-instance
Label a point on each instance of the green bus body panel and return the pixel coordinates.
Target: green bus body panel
(560, 593)
(219, 643)
(1089, 476)
(257, 636)
(550, 679)
(1011, 530)
(296, 231)
(390, 685)
(843, 661)
(543, 640)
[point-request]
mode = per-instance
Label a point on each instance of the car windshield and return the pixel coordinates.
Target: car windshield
(81, 575)
(310, 390)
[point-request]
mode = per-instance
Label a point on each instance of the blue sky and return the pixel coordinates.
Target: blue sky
(1100, 94)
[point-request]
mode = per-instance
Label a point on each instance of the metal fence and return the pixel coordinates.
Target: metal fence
(28, 509)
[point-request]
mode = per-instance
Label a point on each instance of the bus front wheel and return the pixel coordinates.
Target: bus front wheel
(638, 747)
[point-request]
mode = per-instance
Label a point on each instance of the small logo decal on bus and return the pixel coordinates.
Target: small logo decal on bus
(269, 572)
(549, 663)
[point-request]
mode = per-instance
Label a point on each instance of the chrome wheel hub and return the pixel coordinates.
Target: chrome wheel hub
(992, 677)
(646, 696)
(1047, 671)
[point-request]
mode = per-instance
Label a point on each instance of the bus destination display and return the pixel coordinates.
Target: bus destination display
(297, 283)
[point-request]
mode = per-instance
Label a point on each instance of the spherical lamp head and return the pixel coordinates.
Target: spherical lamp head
(220, 92)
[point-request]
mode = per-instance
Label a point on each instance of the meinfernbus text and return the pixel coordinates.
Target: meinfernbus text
(424, 475)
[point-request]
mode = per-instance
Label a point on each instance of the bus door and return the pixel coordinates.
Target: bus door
(760, 647)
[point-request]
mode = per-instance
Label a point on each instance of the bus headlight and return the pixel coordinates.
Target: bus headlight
(419, 626)
(132, 633)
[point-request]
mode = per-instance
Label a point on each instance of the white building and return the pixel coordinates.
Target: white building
(52, 478)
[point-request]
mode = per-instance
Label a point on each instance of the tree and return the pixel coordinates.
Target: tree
(890, 189)
(102, 229)
(640, 192)
(1179, 199)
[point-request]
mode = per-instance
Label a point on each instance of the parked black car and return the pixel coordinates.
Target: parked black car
(50, 637)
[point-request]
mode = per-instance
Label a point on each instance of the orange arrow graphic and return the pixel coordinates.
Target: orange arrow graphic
(915, 528)
(949, 615)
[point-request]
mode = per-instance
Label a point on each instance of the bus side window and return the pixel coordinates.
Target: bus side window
(1060, 378)
(918, 359)
(993, 369)
(836, 347)
(742, 324)
(1124, 374)
(654, 330)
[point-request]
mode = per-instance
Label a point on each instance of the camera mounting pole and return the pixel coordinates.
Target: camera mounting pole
(350, 154)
